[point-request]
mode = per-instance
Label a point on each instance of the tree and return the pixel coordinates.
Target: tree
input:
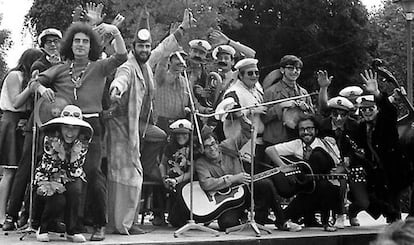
(331, 35)
(57, 13)
(5, 44)
(389, 30)
(54, 13)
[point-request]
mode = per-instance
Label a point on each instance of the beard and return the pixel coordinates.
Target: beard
(142, 57)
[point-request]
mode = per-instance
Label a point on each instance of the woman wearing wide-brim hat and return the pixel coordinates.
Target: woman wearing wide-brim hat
(59, 175)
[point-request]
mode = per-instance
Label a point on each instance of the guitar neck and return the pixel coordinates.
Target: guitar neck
(265, 174)
(328, 176)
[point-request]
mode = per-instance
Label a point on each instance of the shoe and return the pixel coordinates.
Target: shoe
(329, 228)
(22, 221)
(42, 237)
(159, 221)
(98, 234)
(9, 224)
(290, 226)
(313, 223)
(135, 230)
(76, 238)
(354, 221)
(339, 222)
(58, 227)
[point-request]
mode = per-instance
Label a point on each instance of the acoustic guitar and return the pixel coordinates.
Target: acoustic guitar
(208, 205)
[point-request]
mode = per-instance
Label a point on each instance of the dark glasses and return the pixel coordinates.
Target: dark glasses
(251, 73)
(367, 109)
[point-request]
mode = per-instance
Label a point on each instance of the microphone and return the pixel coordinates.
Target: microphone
(181, 58)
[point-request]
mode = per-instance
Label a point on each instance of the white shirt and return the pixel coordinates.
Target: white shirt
(295, 148)
(12, 86)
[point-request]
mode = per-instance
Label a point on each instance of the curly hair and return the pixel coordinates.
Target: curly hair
(80, 27)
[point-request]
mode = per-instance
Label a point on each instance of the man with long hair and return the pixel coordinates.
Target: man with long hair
(81, 80)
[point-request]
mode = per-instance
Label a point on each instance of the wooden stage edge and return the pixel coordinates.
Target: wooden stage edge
(165, 235)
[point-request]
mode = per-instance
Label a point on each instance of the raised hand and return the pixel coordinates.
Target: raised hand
(217, 38)
(104, 29)
(188, 20)
(118, 20)
(370, 82)
(94, 13)
(324, 80)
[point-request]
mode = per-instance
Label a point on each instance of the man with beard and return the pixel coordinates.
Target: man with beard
(388, 169)
(134, 83)
(322, 155)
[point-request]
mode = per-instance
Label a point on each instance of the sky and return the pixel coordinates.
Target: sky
(13, 12)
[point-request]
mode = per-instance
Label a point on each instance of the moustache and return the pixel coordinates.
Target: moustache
(197, 59)
(221, 63)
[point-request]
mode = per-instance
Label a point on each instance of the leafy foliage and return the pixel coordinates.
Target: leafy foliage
(331, 35)
(5, 44)
(327, 34)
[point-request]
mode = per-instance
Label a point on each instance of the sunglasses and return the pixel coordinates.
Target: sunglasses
(336, 113)
(71, 114)
(292, 68)
(251, 73)
(367, 109)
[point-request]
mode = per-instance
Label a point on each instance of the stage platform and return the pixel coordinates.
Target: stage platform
(164, 235)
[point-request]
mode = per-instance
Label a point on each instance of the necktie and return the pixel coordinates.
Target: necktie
(307, 150)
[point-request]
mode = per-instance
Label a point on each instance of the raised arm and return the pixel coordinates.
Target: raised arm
(324, 81)
(108, 29)
(219, 38)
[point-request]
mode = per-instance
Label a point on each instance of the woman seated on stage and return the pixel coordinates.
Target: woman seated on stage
(174, 167)
(59, 175)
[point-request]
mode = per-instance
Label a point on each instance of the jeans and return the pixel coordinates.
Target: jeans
(94, 192)
(68, 203)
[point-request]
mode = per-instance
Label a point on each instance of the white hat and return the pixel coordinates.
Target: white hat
(49, 32)
(351, 91)
(225, 105)
(181, 126)
(366, 101)
(70, 115)
(341, 103)
(227, 49)
(246, 63)
(200, 44)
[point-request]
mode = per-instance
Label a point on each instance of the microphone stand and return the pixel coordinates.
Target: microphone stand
(251, 223)
(29, 230)
(191, 224)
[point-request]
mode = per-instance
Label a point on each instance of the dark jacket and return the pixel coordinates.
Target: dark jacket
(392, 164)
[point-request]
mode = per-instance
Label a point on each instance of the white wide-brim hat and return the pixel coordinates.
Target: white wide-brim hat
(70, 115)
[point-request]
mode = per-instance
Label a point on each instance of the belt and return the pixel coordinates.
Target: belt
(90, 115)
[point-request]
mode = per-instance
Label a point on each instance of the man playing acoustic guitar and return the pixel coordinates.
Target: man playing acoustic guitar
(321, 154)
(220, 167)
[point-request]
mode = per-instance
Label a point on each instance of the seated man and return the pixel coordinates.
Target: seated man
(322, 154)
(219, 167)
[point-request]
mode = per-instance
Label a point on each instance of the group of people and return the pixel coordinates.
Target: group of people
(141, 104)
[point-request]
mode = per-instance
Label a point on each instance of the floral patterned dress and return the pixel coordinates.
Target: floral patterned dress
(60, 164)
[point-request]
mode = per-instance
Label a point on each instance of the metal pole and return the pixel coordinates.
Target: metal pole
(409, 58)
